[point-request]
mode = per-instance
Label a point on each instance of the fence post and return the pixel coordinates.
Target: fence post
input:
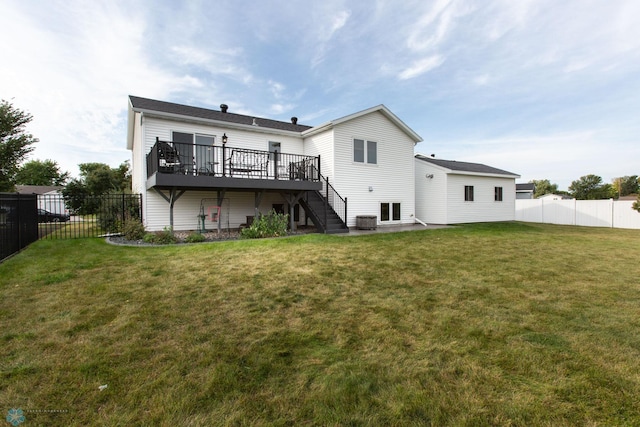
(123, 210)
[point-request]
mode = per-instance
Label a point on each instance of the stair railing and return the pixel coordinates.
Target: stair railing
(333, 199)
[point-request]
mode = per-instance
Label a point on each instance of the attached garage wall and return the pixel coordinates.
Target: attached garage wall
(484, 208)
(431, 194)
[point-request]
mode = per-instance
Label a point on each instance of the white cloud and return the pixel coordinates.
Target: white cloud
(421, 67)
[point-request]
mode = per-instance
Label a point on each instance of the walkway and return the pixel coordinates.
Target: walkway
(392, 229)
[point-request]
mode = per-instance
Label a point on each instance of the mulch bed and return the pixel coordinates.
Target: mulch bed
(209, 236)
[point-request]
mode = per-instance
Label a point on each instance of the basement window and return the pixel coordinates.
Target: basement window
(389, 211)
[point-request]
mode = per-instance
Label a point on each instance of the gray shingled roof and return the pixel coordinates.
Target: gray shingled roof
(205, 113)
(529, 186)
(464, 166)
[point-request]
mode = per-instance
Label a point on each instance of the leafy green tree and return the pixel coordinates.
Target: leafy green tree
(636, 204)
(590, 187)
(15, 143)
(95, 179)
(38, 172)
(626, 185)
(543, 186)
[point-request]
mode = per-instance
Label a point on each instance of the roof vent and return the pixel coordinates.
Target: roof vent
(433, 155)
(224, 108)
(254, 122)
(294, 120)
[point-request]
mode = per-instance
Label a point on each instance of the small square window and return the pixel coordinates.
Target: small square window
(468, 193)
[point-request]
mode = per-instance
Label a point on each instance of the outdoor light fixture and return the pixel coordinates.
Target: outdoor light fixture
(224, 138)
(370, 188)
(429, 175)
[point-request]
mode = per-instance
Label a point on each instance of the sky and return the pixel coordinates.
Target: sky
(541, 88)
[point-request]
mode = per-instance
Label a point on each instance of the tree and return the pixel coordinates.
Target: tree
(15, 143)
(543, 186)
(590, 187)
(626, 185)
(636, 204)
(95, 179)
(38, 172)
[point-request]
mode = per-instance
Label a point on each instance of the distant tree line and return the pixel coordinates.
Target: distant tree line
(591, 187)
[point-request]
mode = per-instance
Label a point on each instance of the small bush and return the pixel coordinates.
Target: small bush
(133, 230)
(272, 224)
(194, 238)
(150, 238)
(164, 237)
(114, 209)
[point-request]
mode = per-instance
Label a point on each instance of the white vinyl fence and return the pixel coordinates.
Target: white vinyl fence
(588, 213)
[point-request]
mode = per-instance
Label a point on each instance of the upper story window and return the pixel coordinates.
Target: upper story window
(497, 194)
(468, 193)
(365, 150)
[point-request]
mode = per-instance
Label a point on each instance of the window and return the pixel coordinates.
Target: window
(468, 193)
(358, 150)
(372, 155)
(386, 214)
(195, 151)
(384, 211)
(497, 194)
(362, 151)
(396, 211)
(274, 147)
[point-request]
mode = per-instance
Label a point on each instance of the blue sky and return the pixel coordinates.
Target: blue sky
(545, 89)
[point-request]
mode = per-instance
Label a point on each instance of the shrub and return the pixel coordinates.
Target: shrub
(133, 230)
(115, 209)
(194, 238)
(272, 224)
(150, 238)
(164, 237)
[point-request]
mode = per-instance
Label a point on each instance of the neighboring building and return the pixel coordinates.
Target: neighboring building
(50, 198)
(551, 196)
(525, 191)
(451, 192)
(199, 167)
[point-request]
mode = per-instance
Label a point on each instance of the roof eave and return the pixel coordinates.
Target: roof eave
(493, 175)
(219, 123)
(382, 108)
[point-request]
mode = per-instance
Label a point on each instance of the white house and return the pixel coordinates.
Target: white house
(49, 197)
(525, 190)
(450, 192)
(202, 168)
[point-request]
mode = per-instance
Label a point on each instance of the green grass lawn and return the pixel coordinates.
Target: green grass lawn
(500, 324)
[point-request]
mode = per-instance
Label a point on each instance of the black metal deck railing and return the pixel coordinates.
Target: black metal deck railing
(334, 199)
(223, 161)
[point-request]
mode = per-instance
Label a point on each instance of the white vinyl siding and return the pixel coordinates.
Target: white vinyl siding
(484, 208)
(235, 208)
(431, 193)
(391, 178)
(322, 145)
